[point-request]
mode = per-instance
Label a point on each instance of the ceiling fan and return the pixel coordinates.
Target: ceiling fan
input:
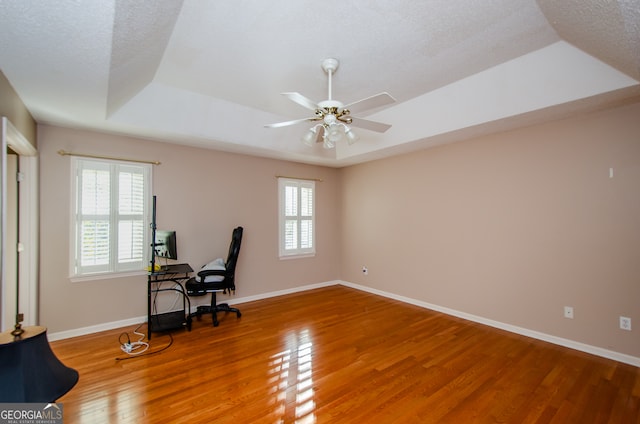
(333, 117)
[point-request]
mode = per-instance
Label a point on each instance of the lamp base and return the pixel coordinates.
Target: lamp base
(17, 330)
(29, 370)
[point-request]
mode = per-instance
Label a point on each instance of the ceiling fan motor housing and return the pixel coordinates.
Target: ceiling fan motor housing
(328, 104)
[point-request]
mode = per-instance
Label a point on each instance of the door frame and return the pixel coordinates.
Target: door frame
(28, 231)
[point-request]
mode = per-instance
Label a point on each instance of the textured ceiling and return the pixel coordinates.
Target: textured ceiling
(209, 73)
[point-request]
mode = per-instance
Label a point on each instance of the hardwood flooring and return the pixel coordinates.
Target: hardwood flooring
(339, 355)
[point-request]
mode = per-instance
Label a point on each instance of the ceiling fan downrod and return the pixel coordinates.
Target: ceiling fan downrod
(329, 66)
(332, 110)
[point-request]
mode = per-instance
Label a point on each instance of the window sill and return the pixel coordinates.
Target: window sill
(300, 256)
(106, 276)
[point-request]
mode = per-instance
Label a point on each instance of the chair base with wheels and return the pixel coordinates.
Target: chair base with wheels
(213, 309)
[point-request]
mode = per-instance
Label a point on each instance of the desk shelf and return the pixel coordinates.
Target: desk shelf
(169, 321)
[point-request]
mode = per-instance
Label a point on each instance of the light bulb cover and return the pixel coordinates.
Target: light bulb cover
(334, 134)
(352, 137)
(309, 137)
(328, 144)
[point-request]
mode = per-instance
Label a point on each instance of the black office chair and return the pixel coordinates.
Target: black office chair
(217, 276)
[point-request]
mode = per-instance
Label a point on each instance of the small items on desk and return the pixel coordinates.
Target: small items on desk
(162, 272)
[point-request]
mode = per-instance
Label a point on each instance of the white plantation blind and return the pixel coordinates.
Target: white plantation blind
(296, 217)
(131, 195)
(111, 216)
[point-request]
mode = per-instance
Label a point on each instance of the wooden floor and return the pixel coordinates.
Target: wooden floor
(338, 355)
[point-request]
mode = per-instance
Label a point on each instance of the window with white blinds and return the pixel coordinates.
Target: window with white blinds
(111, 216)
(296, 217)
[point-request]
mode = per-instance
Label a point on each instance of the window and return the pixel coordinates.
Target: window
(297, 217)
(111, 216)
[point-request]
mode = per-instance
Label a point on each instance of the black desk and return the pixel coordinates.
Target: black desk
(173, 319)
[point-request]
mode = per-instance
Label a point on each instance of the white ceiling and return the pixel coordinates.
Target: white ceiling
(209, 73)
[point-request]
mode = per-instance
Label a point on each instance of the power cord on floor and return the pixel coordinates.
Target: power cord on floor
(138, 348)
(133, 348)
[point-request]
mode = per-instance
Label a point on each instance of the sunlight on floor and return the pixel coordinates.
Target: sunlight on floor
(292, 371)
(95, 409)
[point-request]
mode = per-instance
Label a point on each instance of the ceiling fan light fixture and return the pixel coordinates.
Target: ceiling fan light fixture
(330, 119)
(334, 134)
(331, 134)
(310, 136)
(328, 144)
(352, 137)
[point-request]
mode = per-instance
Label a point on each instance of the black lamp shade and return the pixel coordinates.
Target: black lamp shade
(30, 371)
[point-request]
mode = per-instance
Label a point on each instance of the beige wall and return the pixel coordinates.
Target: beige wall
(510, 227)
(12, 107)
(203, 195)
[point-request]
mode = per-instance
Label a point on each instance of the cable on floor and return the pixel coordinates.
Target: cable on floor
(138, 348)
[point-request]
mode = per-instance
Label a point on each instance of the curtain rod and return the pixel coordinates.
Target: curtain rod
(82, 155)
(299, 178)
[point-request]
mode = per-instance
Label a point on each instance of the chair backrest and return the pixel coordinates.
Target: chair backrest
(232, 258)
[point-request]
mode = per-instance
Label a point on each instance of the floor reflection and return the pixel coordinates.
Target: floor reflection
(292, 379)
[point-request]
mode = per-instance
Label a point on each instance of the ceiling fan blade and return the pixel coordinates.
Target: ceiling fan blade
(369, 125)
(287, 123)
(301, 100)
(381, 99)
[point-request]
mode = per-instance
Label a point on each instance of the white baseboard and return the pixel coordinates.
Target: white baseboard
(234, 301)
(137, 320)
(95, 328)
(594, 350)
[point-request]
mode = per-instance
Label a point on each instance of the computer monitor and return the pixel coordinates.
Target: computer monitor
(165, 244)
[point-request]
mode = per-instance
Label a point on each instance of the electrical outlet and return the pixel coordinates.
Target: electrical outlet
(365, 271)
(568, 312)
(625, 323)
